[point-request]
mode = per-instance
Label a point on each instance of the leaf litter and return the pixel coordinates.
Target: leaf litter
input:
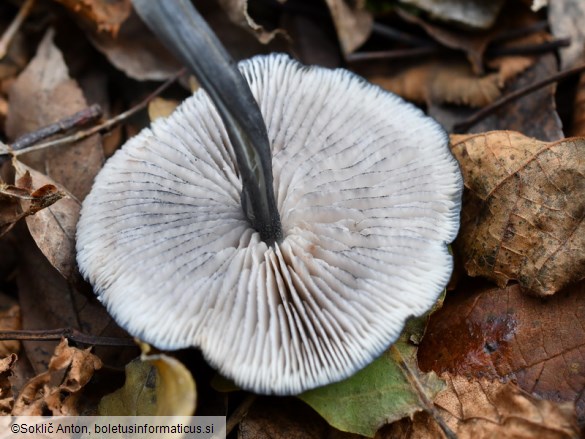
(521, 225)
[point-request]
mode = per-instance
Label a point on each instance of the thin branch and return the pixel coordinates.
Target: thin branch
(464, 125)
(68, 333)
(76, 120)
(107, 125)
(239, 413)
(421, 393)
(395, 54)
(400, 36)
(529, 49)
(11, 31)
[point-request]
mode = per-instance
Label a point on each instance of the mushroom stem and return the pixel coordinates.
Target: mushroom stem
(178, 24)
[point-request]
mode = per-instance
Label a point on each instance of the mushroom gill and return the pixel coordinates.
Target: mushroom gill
(368, 195)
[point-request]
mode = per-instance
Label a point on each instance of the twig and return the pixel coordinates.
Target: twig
(399, 36)
(68, 333)
(394, 54)
(78, 119)
(110, 123)
(423, 398)
(239, 413)
(14, 26)
(496, 105)
(529, 49)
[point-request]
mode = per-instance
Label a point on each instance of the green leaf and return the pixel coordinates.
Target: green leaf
(385, 391)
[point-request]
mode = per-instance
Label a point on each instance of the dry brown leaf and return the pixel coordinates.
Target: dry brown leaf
(480, 14)
(484, 409)
(6, 394)
(237, 11)
(160, 107)
(21, 200)
(42, 95)
(505, 334)
(10, 320)
(566, 20)
(136, 51)
(105, 15)
(53, 228)
(523, 211)
(57, 390)
(352, 22)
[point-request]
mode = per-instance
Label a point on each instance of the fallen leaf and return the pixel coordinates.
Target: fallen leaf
(156, 385)
(286, 418)
(105, 15)
(10, 320)
(21, 200)
(6, 393)
(352, 22)
(504, 334)
(347, 405)
(237, 11)
(523, 210)
(489, 409)
(57, 390)
(53, 227)
(160, 107)
(480, 14)
(44, 94)
(136, 51)
(566, 20)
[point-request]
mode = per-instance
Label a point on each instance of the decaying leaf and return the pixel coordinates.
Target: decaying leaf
(479, 14)
(21, 200)
(105, 15)
(160, 107)
(57, 390)
(10, 320)
(156, 385)
(136, 51)
(43, 94)
(286, 418)
(6, 394)
(566, 20)
(505, 334)
(523, 211)
(347, 405)
(237, 11)
(489, 409)
(352, 22)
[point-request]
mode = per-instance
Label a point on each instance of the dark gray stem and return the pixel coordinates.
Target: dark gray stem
(178, 24)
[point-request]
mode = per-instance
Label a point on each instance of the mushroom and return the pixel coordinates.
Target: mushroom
(368, 196)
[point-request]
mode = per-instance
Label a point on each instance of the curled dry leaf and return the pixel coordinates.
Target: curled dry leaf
(237, 11)
(44, 94)
(480, 14)
(53, 228)
(523, 212)
(57, 390)
(10, 320)
(6, 394)
(504, 334)
(578, 128)
(21, 200)
(104, 15)
(156, 385)
(352, 22)
(489, 409)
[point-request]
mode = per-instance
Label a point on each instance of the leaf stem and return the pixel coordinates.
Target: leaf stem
(68, 333)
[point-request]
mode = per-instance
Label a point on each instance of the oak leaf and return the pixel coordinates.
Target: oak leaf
(489, 409)
(57, 390)
(6, 394)
(505, 334)
(523, 210)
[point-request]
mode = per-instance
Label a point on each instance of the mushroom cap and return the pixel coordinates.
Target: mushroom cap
(369, 195)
